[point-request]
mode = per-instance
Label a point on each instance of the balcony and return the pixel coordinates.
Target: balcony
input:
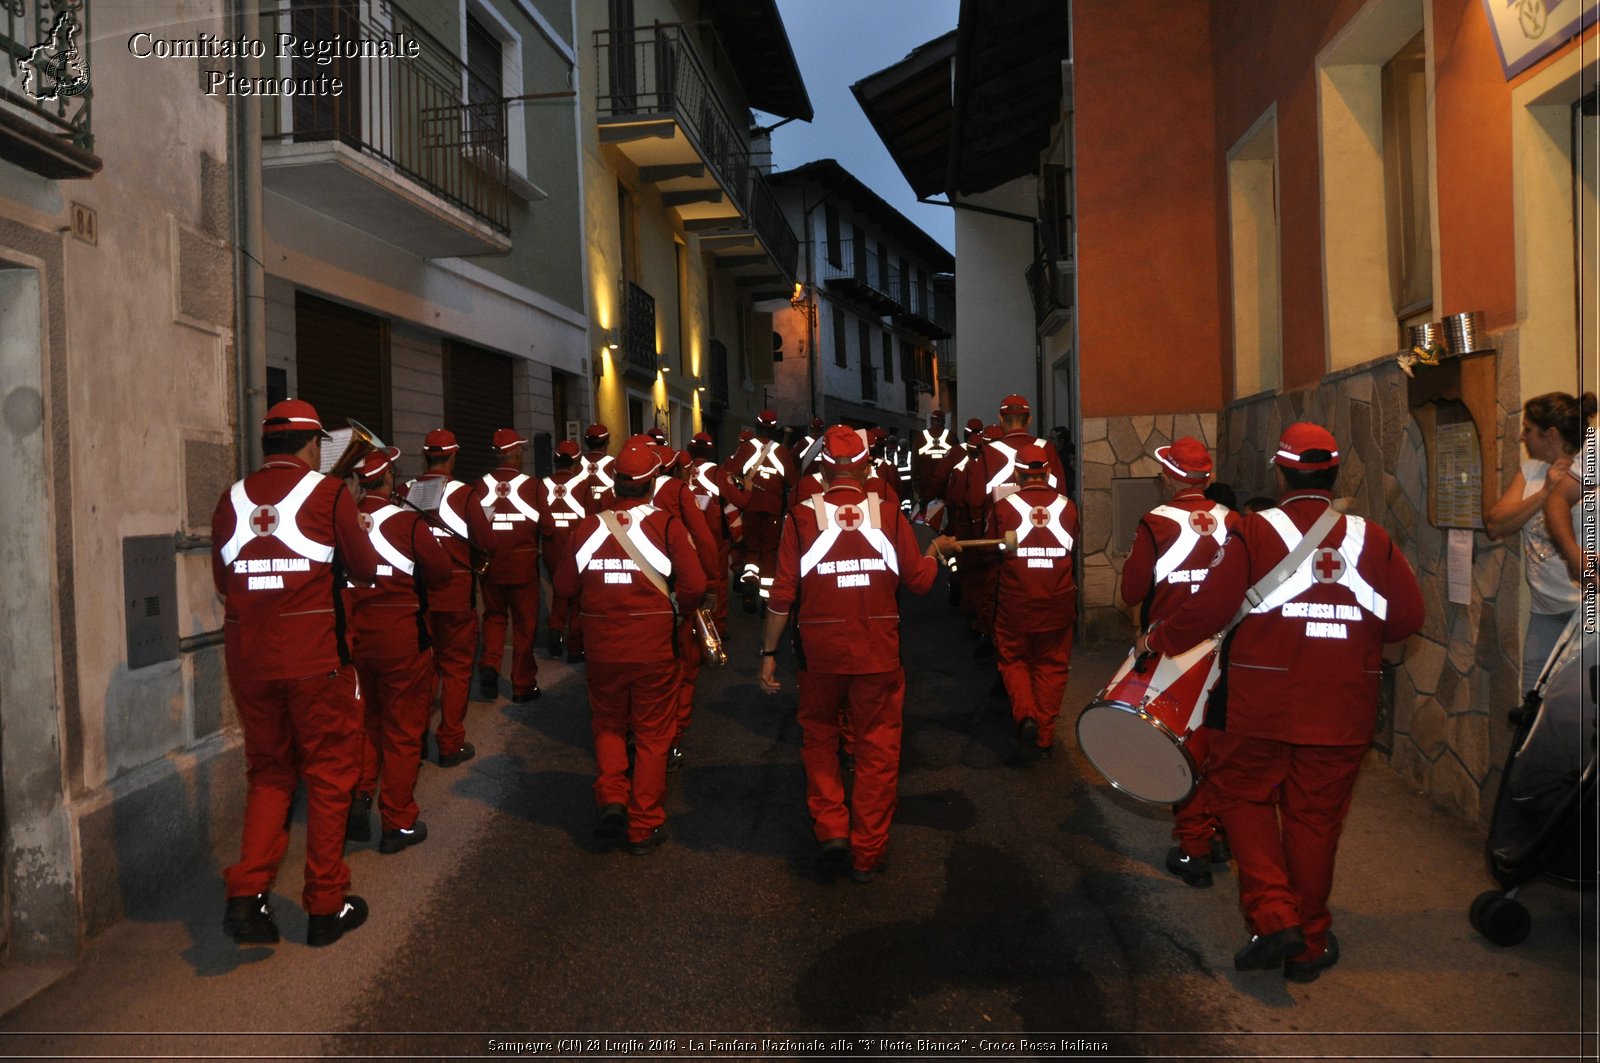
(1050, 284)
(45, 92)
(947, 358)
(639, 333)
(657, 105)
(397, 154)
(874, 282)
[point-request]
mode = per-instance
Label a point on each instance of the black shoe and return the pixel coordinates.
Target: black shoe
(648, 844)
(1221, 851)
(613, 822)
(326, 929)
(1265, 953)
(1303, 971)
(488, 683)
(358, 827)
(674, 758)
(575, 656)
(1194, 870)
(847, 762)
(522, 697)
(450, 760)
(1028, 740)
(984, 650)
(248, 920)
(405, 837)
(555, 643)
(862, 876)
(833, 858)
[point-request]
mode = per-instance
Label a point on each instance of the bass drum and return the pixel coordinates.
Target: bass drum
(1136, 731)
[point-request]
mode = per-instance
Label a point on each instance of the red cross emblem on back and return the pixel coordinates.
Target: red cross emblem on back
(623, 520)
(1202, 522)
(1039, 517)
(502, 489)
(365, 520)
(264, 521)
(849, 517)
(1327, 566)
(560, 491)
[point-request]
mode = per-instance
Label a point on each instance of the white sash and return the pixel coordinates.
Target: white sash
(1054, 525)
(387, 550)
(826, 520)
(287, 531)
(1355, 535)
(1188, 538)
(635, 532)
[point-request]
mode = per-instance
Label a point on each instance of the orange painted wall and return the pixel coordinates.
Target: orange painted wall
(1148, 311)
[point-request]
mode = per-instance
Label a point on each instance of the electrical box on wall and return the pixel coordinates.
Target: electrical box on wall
(150, 598)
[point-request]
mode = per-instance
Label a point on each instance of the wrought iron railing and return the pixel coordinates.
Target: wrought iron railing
(656, 70)
(406, 112)
(719, 373)
(46, 87)
(639, 328)
(861, 265)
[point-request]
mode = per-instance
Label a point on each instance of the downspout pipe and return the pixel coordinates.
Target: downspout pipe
(249, 274)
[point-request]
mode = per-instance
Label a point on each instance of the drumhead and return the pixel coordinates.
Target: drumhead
(1135, 753)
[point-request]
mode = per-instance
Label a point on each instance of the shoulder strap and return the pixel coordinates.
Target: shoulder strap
(1290, 564)
(620, 534)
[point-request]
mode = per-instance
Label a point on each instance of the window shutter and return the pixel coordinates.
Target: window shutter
(342, 362)
(477, 400)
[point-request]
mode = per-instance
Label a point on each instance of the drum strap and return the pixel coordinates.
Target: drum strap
(1289, 565)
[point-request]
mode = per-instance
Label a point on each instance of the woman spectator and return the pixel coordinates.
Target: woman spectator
(1552, 432)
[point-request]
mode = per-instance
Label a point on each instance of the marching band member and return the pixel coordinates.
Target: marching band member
(1299, 694)
(627, 565)
(844, 555)
(1036, 600)
(280, 537)
(452, 620)
(562, 498)
(767, 469)
(809, 448)
(393, 658)
(1001, 454)
(595, 466)
(963, 519)
(932, 446)
(1173, 549)
(717, 500)
(509, 500)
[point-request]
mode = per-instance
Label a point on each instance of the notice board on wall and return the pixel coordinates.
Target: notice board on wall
(1456, 478)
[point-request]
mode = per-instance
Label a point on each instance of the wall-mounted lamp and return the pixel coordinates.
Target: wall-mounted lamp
(611, 339)
(701, 388)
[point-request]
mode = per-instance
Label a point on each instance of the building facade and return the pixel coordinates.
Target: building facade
(860, 343)
(687, 252)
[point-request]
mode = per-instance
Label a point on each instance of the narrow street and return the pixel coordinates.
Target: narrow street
(1020, 901)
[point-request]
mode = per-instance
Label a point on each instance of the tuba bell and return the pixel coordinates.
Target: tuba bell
(706, 626)
(359, 441)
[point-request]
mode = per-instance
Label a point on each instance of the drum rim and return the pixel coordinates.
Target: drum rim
(1180, 743)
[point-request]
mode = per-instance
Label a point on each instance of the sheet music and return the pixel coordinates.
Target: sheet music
(427, 494)
(333, 449)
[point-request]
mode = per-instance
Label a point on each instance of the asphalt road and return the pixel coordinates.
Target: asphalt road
(1021, 904)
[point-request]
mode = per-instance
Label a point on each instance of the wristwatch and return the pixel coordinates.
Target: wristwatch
(768, 653)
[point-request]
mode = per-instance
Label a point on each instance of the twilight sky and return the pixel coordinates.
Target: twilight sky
(837, 43)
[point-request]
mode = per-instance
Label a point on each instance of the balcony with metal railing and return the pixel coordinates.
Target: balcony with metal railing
(399, 152)
(656, 103)
(1050, 283)
(877, 284)
(639, 333)
(44, 88)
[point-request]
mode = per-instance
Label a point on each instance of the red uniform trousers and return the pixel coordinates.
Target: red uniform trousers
(874, 704)
(641, 698)
(397, 683)
(297, 729)
(521, 601)
(1283, 807)
(761, 534)
(455, 643)
(1034, 666)
(691, 655)
(1195, 822)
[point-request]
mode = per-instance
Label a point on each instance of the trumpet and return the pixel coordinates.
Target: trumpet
(706, 626)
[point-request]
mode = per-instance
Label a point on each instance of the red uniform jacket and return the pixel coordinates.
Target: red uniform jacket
(596, 469)
(963, 493)
(277, 537)
(1174, 549)
(812, 485)
(1303, 666)
(769, 474)
(459, 527)
(625, 619)
(1036, 589)
(845, 572)
(926, 462)
(673, 496)
(707, 483)
(411, 560)
(510, 503)
(563, 499)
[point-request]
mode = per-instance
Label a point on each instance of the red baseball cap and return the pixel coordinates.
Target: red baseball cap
(657, 433)
(700, 443)
(566, 449)
(1015, 402)
(506, 438)
(292, 415)
(637, 462)
(373, 465)
(685, 460)
(597, 432)
(993, 432)
(974, 427)
(1185, 459)
(843, 447)
(1032, 458)
(767, 418)
(746, 434)
(440, 441)
(877, 436)
(817, 424)
(1307, 446)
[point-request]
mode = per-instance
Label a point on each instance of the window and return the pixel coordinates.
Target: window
(485, 89)
(1405, 182)
(627, 232)
(830, 216)
(478, 385)
(342, 362)
(841, 357)
(888, 357)
(1253, 225)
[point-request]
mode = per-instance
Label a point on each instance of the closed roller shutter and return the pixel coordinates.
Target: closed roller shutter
(342, 363)
(477, 400)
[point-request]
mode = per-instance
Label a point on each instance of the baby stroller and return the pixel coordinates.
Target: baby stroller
(1544, 818)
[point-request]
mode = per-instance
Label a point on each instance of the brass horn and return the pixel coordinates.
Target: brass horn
(361, 442)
